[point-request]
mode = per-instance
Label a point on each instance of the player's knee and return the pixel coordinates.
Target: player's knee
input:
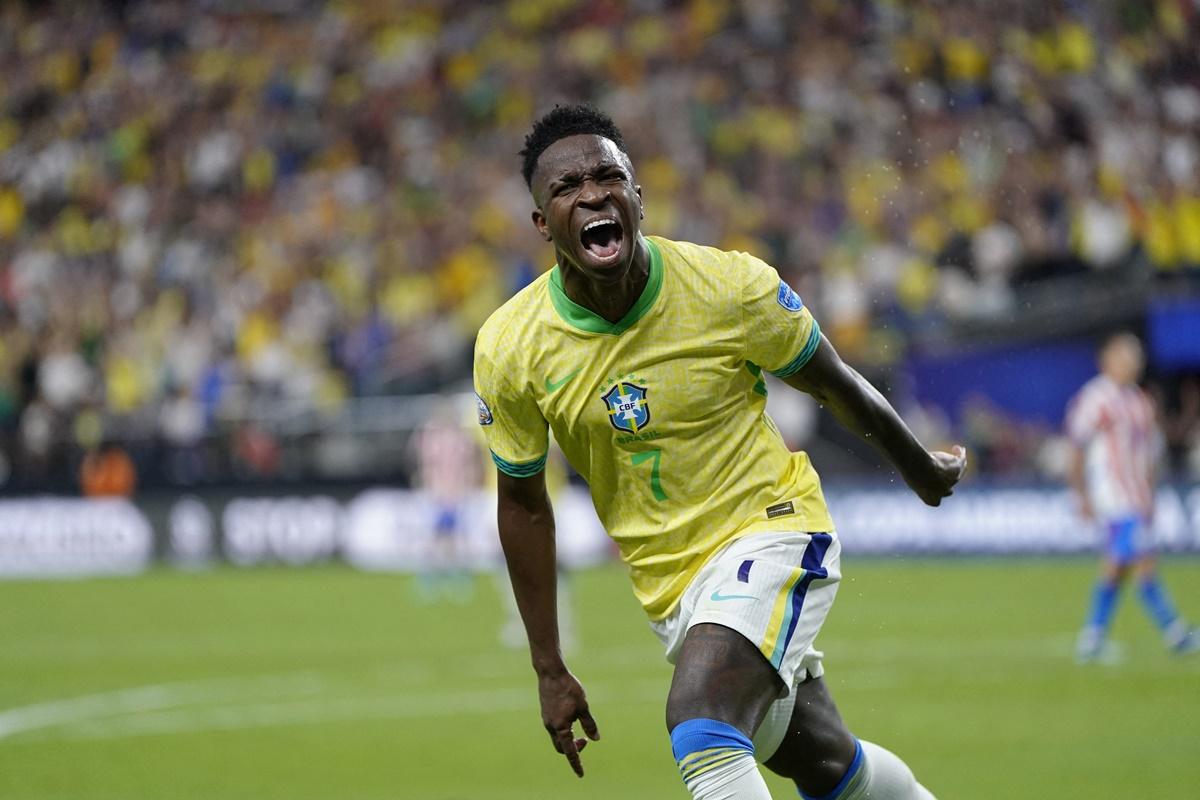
(682, 707)
(817, 763)
(816, 753)
(693, 699)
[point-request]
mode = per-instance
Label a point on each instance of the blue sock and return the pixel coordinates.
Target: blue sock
(701, 745)
(851, 772)
(1158, 604)
(1104, 600)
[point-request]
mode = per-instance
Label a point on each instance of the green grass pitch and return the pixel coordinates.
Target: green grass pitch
(327, 683)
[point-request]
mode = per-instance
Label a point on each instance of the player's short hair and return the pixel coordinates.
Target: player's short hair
(561, 122)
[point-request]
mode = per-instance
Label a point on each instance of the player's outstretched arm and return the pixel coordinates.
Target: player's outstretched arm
(861, 408)
(526, 523)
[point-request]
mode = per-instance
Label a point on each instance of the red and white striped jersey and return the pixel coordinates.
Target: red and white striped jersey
(1115, 427)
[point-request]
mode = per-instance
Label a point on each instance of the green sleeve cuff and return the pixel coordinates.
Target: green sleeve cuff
(806, 354)
(524, 469)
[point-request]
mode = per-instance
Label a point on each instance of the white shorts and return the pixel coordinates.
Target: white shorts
(776, 590)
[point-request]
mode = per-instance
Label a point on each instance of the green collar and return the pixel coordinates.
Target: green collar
(587, 320)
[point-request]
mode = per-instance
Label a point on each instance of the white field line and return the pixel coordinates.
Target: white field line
(154, 697)
(225, 714)
(321, 711)
(143, 710)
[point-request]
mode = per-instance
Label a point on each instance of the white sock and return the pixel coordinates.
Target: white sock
(882, 776)
(717, 761)
(738, 779)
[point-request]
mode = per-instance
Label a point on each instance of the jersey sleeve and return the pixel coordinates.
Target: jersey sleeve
(1085, 417)
(513, 425)
(781, 335)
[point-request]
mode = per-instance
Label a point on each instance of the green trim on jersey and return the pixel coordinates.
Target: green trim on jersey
(525, 470)
(806, 354)
(587, 320)
(760, 385)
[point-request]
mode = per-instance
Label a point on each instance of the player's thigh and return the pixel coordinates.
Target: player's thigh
(1114, 571)
(818, 748)
(1146, 565)
(721, 675)
(750, 618)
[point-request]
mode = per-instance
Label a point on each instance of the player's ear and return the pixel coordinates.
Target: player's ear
(641, 205)
(539, 222)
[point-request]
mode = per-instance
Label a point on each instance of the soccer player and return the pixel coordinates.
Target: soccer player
(447, 469)
(645, 357)
(1116, 446)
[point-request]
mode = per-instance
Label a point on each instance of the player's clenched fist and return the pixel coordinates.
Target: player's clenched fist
(938, 480)
(563, 702)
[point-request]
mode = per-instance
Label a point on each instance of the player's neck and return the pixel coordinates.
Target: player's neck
(611, 301)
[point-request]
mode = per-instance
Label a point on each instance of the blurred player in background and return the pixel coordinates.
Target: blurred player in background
(447, 472)
(1115, 456)
(645, 357)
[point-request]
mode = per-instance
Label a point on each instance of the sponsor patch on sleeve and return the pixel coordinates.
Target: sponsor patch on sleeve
(788, 297)
(780, 510)
(485, 413)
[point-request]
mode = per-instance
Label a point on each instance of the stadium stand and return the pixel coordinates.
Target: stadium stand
(230, 230)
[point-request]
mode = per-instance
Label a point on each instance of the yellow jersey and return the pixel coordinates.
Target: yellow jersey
(663, 413)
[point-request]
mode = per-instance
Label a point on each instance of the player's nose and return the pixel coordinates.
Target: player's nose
(593, 195)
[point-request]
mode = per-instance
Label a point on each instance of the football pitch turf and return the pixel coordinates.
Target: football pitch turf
(328, 683)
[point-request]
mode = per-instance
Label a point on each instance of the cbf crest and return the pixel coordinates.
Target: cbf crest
(627, 406)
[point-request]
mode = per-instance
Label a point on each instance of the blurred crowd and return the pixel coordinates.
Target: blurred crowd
(216, 211)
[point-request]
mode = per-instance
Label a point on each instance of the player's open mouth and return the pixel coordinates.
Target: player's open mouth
(601, 238)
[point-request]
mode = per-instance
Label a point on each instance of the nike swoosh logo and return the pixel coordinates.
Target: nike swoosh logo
(718, 597)
(554, 386)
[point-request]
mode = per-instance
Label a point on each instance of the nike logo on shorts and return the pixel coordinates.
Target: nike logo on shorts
(718, 597)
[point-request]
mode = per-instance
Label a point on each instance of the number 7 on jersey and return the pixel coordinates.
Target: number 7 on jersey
(655, 476)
